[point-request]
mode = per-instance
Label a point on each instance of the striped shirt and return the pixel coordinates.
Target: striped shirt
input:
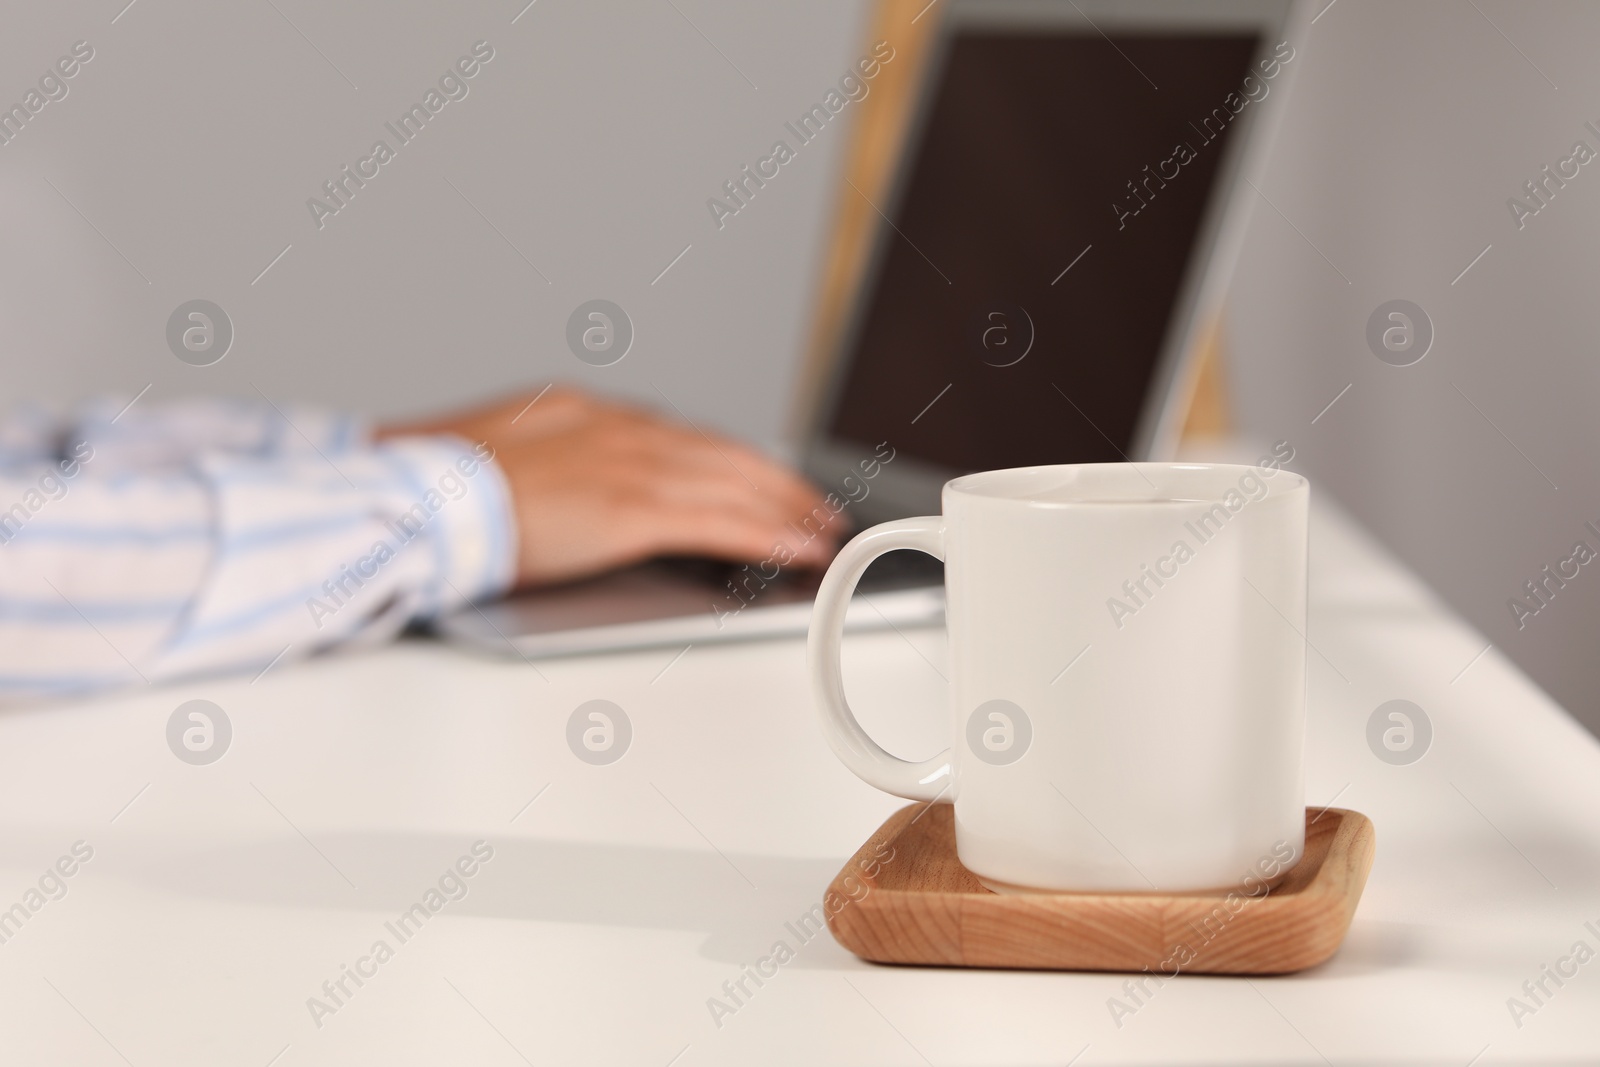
(209, 536)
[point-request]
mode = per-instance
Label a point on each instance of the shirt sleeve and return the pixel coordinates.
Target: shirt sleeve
(231, 558)
(143, 437)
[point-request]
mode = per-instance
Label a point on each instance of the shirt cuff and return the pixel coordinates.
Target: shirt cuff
(463, 499)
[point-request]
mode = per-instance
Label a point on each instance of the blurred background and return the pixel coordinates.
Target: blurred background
(179, 164)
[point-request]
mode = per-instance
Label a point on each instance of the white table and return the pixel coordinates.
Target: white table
(219, 898)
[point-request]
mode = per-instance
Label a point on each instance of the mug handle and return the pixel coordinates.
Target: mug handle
(925, 780)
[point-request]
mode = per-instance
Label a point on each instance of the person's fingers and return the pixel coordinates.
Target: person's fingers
(774, 479)
(678, 475)
(732, 536)
(764, 474)
(756, 473)
(669, 506)
(715, 500)
(561, 409)
(633, 528)
(598, 485)
(719, 489)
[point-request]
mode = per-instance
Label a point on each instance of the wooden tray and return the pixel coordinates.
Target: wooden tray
(906, 898)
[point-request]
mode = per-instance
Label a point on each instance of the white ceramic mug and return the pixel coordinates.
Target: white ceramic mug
(1127, 673)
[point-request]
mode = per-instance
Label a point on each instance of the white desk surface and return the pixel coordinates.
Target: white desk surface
(222, 897)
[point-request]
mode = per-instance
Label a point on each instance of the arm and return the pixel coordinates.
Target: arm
(157, 557)
(145, 436)
(597, 485)
(232, 560)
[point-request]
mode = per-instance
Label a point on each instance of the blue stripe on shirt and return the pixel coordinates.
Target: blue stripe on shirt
(276, 536)
(244, 620)
(265, 610)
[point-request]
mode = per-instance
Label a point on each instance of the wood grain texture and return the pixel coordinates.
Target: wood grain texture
(906, 898)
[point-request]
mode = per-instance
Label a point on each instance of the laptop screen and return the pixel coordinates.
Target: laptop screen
(1054, 194)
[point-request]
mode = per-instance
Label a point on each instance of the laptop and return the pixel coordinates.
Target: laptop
(1047, 257)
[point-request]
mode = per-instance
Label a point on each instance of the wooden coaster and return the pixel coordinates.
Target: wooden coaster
(906, 898)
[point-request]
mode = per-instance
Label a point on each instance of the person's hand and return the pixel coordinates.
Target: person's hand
(597, 485)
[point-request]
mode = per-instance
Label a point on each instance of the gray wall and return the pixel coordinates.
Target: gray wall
(1411, 125)
(192, 140)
